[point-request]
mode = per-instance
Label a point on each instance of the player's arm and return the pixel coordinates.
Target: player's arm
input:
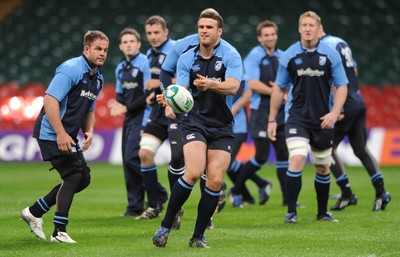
(227, 87)
(260, 87)
(87, 129)
(330, 119)
(244, 100)
(52, 109)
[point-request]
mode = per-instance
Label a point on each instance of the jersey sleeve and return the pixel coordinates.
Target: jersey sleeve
(234, 66)
(282, 77)
(183, 71)
(252, 65)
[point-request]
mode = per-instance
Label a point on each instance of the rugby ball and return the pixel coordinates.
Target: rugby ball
(178, 98)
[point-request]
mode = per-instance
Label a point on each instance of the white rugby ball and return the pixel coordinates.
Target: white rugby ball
(179, 98)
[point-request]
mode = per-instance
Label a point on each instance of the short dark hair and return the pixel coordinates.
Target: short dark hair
(266, 24)
(156, 19)
(211, 13)
(129, 31)
(92, 35)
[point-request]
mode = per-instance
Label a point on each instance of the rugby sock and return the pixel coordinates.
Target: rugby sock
(174, 174)
(377, 181)
(247, 171)
(203, 183)
(179, 194)
(233, 170)
(293, 187)
(281, 168)
(44, 204)
(205, 210)
(322, 184)
(150, 181)
(60, 222)
(343, 182)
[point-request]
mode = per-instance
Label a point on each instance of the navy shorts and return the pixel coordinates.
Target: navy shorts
(217, 138)
(320, 139)
(259, 124)
(49, 149)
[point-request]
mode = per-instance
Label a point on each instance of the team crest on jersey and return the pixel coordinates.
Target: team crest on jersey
(265, 62)
(322, 60)
(135, 72)
(161, 59)
(98, 84)
(298, 61)
(218, 65)
(196, 68)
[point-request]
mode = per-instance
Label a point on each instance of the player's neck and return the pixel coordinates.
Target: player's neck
(309, 43)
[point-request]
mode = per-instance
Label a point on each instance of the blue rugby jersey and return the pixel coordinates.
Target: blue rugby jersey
(156, 59)
(259, 65)
(240, 117)
(310, 76)
(210, 108)
(130, 83)
(354, 101)
(76, 91)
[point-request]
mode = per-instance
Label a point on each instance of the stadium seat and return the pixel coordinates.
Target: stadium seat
(33, 89)
(8, 89)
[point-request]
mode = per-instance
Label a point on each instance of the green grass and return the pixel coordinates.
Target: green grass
(252, 231)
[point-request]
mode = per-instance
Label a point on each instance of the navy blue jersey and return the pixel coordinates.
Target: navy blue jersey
(156, 59)
(259, 65)
(76, 91)
(310, 75)
(354, 101)
(225, 63)
(130, 84)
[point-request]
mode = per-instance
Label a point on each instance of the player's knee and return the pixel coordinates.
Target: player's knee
(85, 179)
(321, 157)
(148, 148)
(297, 147)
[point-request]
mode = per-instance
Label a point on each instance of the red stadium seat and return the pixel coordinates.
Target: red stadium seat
(9, 89)
(33, 89)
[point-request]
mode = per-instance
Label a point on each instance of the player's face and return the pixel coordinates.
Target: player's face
(208, 31)
(156, 35)
(129, 45)
(309, 30)
(96, 53)
(268, 37)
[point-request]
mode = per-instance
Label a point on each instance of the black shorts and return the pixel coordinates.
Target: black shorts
(218, 138)
(320, 139)
(352, 122)
(49, 149)
(158, 130)
(259, 125)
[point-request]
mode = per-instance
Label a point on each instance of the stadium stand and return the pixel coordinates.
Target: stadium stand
(38, 35)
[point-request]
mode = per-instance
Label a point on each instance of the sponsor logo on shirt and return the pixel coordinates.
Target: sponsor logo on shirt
(130, 85)
(310, 72)
(89, 95)
(155, 71)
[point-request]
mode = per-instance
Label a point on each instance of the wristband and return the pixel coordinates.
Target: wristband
(272, 121)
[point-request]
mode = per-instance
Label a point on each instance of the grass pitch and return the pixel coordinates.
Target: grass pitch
(252, 231)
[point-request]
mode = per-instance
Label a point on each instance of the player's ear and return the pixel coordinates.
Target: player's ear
(219, 31)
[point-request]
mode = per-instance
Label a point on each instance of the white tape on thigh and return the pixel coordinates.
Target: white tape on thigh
(297, 147)
(321, 157)
(150, 143)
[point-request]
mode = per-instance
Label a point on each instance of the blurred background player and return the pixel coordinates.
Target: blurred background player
(261, 66)
(156, 130)
(131, 75)
(212, 71)
(353, 125)
(309, 67)
(68, 107)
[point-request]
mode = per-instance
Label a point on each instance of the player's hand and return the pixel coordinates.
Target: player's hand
(340, 117)
(152, 84)
(271, 130)
(65, 143)
(328, 120)
(202, 83)
(88, 140)
(117, 109)
(150, 98)
(161, 99)
(169, 113)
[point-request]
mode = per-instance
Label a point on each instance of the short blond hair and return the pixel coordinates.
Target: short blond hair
(312, 15)
(92, 35)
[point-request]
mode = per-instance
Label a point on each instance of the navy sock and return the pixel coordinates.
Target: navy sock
(174, 175)
(179, 194)
(150, 182)
(60, 222)
(247, 171)
(293, 187)
(281, 168)
(322, 185)
(205, 209)
(39, 208)
(377, 181)
(343, 182)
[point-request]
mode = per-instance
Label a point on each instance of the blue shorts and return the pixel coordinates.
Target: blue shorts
(320, 139)
(217, 138)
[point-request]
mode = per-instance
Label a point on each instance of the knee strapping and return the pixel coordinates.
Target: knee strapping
(297, 147)
(321, 157)
(150, 143)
